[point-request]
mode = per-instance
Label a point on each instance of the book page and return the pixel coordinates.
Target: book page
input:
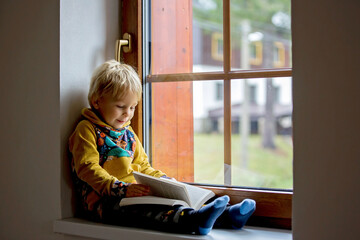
(163, 188)
(198, 196)
(151, 200)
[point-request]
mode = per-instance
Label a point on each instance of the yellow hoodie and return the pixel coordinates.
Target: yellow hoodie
(100, 172)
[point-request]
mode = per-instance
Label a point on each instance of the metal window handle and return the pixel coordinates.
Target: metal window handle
(126, 43)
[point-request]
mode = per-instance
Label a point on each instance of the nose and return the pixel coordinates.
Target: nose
(127, 111)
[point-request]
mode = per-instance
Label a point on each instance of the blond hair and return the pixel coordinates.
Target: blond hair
(116, 79)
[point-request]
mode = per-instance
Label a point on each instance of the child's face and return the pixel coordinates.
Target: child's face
(116, 112)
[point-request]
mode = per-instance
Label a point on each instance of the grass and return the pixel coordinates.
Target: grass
(265, 168)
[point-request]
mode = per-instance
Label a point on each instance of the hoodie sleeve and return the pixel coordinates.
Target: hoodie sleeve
(83, 147)
(141, 158)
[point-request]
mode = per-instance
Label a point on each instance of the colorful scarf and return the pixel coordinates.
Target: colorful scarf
(114, 142)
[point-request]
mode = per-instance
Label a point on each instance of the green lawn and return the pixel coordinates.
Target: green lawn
(265, 168)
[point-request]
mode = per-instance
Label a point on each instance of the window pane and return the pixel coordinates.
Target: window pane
(187, 130)
(208, 132)
(172, 129)
(262, 146)
(208, 41)
(171, 37)
(192, 33)
(187, 118)
(260, 34)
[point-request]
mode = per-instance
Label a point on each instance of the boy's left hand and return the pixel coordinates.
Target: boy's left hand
(137, 190)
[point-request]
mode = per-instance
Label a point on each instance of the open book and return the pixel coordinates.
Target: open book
(169, 192)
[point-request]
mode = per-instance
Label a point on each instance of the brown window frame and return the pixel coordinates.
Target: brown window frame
(274, 207)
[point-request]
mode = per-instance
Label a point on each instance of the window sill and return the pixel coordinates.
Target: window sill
(83, 228)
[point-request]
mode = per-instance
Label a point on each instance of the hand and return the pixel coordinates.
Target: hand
(137, 190)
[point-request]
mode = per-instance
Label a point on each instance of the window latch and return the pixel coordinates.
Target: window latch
(125, 44)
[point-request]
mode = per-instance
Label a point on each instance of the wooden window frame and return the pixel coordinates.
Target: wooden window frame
(274, 207)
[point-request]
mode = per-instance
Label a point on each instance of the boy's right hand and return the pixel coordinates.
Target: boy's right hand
(137, 190)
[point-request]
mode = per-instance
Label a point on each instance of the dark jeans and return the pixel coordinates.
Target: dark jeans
(156, 217)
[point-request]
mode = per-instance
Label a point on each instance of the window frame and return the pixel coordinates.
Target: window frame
(274, 207)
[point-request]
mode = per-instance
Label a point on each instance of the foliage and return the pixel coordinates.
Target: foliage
(259, 12)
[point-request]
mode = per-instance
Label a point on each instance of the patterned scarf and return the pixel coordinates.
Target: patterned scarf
(114, 142)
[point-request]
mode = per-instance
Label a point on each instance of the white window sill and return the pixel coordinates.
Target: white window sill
(83, 228)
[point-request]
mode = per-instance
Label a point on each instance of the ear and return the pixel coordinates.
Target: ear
(95, 103)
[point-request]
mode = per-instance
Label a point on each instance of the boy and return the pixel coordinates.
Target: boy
(106, 151)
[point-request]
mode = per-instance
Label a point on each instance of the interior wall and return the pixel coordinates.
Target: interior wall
(88, 31)
(30, 119)
(48, 52)
(326, 60)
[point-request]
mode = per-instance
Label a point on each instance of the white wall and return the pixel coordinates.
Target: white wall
(88, 31)
(326, 60)
(48, 50)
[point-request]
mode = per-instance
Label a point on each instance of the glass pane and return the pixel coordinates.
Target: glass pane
(187, 130)
(172, 129)
(186, 36)
(208, 132)
(187, 118)
(171, 37)
(207, 35)
(262, 133)
(260, 34)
